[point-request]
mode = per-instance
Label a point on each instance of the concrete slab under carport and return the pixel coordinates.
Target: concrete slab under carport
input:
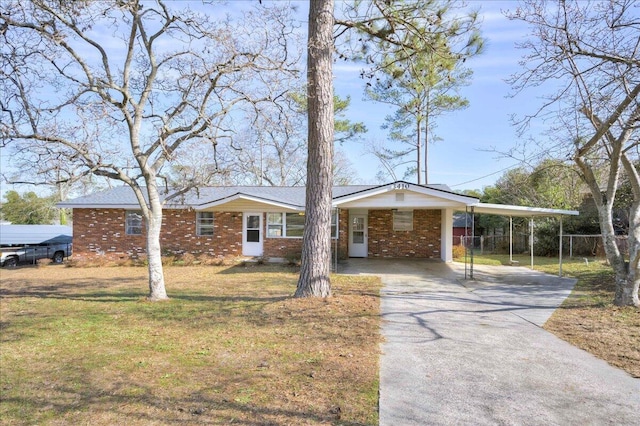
(474, 352)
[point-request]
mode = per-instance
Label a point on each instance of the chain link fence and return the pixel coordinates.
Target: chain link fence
(572, 245)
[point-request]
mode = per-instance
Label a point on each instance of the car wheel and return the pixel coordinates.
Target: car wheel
(58, 257)
(11, 262)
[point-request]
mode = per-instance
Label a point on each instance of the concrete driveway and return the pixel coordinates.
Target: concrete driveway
(474, 352)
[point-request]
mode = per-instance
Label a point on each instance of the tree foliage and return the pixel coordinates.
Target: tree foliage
(414, 54)
(28, 209)
(426, 86)
(124, 89)
(272, 148)
(586, 54)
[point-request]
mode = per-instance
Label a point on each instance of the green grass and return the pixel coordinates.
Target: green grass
(83, 346)
(541, 263)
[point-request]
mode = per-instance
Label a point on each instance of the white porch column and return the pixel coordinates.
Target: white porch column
(446, 235)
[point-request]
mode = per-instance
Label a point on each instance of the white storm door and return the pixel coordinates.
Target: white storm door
(358, 236)
(252, 234)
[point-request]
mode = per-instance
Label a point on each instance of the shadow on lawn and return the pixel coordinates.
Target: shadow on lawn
(257, 267)
(138, 403)
(70, 292)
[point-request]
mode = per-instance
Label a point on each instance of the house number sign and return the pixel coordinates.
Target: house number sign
(399, 185)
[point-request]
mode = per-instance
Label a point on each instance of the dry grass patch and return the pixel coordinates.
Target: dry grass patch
(82, 346)
(589, 320)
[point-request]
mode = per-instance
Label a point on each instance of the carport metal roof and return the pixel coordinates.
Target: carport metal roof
(519, 211)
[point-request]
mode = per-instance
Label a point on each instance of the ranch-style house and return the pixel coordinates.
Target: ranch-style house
(395, 220)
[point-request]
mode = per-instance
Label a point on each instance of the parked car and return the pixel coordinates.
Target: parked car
(12, 256)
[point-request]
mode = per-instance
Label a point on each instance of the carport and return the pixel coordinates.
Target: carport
(511, 212)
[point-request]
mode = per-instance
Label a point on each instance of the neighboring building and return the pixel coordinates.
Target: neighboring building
(30, 243)
(398, 219)
(14, 235)
(462, 226)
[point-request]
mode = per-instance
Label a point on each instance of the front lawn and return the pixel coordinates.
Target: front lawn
(83, 346)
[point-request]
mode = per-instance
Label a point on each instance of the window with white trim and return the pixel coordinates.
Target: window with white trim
(334, 223)
(133, 222)
(294, 224)
(274, 225)
(204, 224)
(291, 225)
(403, 220)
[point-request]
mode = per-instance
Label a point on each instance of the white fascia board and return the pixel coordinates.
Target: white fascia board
(359, 196)
(450, 196)
(405, 186)
(521, 211)
(244, 197)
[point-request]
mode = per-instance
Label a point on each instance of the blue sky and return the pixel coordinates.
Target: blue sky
(462, 159)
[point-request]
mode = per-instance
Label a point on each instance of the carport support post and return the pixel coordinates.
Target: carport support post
(511, 240)
(531, 239)
(560, 251)
(473, 238)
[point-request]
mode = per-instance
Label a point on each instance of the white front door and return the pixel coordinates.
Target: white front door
(252, 234)
(358, 235)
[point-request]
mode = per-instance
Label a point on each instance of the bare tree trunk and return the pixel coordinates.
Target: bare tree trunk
(316, 243)
(627, 289)
(627, 276)
(153, 222)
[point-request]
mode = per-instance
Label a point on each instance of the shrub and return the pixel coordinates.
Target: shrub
(187, 259)
(458, 252)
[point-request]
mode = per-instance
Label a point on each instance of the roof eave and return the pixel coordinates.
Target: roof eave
(245, 197)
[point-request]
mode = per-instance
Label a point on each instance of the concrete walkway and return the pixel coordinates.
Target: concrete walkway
(472, 352)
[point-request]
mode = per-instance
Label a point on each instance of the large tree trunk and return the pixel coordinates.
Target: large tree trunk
(153, 222)
(316, 243)
(627, 275)
(627, 285)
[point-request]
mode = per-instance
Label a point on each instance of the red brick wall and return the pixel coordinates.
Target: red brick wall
(102, 232)
(422, 242)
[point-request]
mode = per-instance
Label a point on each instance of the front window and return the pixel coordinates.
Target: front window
(295, 225)
(204, 224)
(133, 223)
(292, 224)
(274, 225)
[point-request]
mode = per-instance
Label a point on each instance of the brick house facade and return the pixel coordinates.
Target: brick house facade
(101, 232)
(394, 220)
